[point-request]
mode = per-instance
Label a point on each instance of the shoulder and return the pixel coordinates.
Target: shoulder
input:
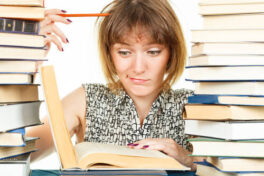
(97, 91)
(179, 95)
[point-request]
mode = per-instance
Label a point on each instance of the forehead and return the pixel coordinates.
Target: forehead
(137, 35)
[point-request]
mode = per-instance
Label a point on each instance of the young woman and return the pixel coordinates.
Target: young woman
(143, 53)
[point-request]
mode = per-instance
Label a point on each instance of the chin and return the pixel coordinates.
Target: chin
(140, 91)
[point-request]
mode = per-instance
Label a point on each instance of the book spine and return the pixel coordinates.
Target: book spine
(19, 26)
(203, 99)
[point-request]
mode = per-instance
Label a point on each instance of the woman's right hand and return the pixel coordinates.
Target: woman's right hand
(52, 33)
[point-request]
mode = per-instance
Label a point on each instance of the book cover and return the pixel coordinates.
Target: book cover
(223, 73)
(252, 88)
(227, 100)
(19, 115)
(19, 26)
(228, 130)
(226, 148)
(222, 112)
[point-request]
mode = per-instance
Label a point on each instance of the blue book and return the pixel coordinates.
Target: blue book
(13, 138)
(243, 167)
(227, 100)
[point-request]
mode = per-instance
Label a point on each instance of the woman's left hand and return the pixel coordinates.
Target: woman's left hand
(167, 146)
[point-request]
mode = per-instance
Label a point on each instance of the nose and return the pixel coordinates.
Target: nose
(139, 64)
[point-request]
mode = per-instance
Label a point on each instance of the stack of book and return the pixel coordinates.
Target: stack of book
(20, 49)
(226, 113)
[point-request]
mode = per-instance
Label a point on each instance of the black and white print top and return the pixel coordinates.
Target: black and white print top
(112, 118)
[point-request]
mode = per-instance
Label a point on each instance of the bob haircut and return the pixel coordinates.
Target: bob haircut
(158, 18)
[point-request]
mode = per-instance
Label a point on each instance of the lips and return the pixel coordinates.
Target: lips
(138, 81)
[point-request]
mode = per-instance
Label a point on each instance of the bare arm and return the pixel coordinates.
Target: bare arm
(74, 112)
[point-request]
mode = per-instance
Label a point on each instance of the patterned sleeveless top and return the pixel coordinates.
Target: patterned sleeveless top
(112, 118)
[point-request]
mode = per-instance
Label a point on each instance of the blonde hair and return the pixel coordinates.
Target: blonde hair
(158, 17)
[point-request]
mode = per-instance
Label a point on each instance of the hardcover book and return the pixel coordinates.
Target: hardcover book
(19, 115)
(37, 3)
(231, 9)
(226, 73)
(222, 112)
(228, 130)
(227, 100)
(232, 48)
(226, 148)
(16, 166)
(87, 155)
(252, 88)
(25, 40)
(227, 35)
(19, 26)
(7, 152)
(28, 13)
(22, 53)
(13, 138)
(18, 93)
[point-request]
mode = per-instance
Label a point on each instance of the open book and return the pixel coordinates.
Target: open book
(88, 155)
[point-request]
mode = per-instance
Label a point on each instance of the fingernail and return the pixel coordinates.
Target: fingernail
(145, 146)
(134, 144)
(62, 49)
(130, 144)
(69, 20)
(67, 40)
(63, 11)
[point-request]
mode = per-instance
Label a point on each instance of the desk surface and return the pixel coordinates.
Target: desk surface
(56, 173)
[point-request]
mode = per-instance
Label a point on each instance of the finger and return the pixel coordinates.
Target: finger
(55, 40)
(47, 49)
(53, 12)
(52, 28)
(54, 18)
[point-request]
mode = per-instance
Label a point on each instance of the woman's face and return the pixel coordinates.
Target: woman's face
(140, 63)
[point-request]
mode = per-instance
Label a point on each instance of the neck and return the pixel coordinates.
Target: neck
(143, 104)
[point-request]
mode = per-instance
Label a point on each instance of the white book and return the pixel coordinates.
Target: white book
(229, 130)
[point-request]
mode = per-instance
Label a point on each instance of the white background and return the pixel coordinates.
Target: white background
(79, 63)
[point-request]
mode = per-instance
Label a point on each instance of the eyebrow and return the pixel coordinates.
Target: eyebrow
(149, 43)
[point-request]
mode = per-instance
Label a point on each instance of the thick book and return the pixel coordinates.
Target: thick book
(224, 148)
(19, 93)
(223, 60)
(13, 138)
(227, 35)
(16, 166)
(227, 100)
(19, 115)
(29, 13)
(16, 78)
(228, 130)
(231, 9)
(223, 2)
(205, 169)
(240, 48)
(19, 26)
(87, 155)
(7, 152)
(222, 112)
(25, 40)
(32, 3)
(236, 164)
(229, 88)
(22, 53)
(224, 73)
(239, 21)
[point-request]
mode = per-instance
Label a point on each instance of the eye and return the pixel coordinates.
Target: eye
(154, 52)
(124, 52)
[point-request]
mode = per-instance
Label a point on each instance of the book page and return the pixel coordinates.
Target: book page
(85, 148)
